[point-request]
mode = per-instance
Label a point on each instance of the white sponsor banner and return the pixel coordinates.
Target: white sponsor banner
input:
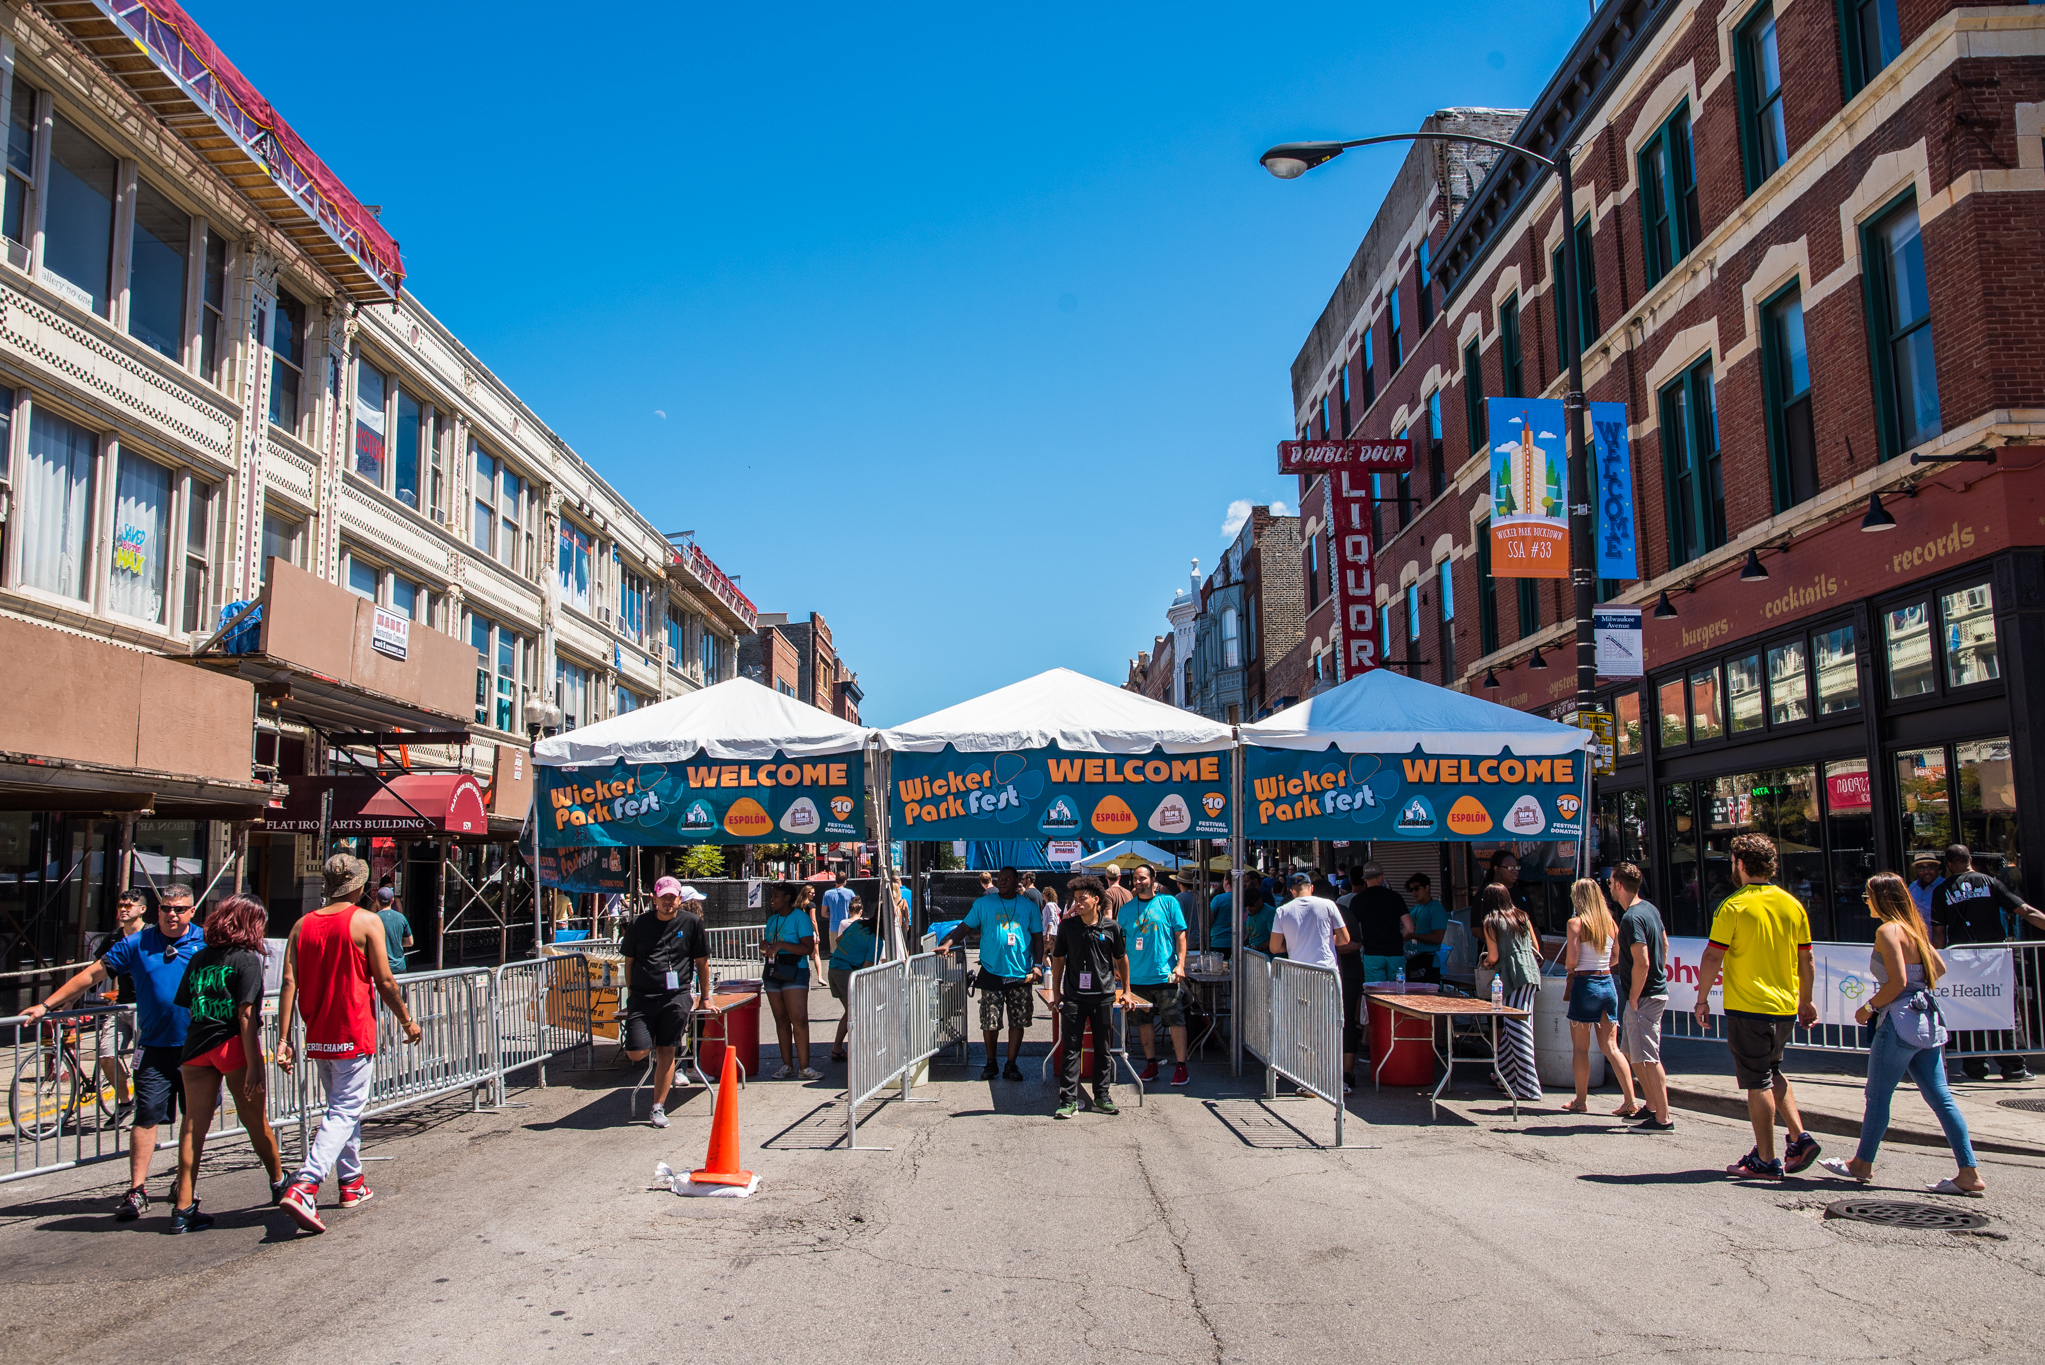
(1064, 850)
(1978, 990)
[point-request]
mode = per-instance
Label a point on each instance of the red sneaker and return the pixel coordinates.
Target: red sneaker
(300, 1201)
(1181, 1076)
(1149, 1072)
(355, 1192)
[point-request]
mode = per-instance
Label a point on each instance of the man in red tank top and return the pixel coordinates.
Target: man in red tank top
(333, 960)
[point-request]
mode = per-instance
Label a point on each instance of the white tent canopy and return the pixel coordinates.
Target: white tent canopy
(1077, 713)
(1150, 853)
(739, 721)
(1383, 712)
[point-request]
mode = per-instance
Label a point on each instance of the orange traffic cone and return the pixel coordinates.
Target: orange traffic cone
(720, 1164)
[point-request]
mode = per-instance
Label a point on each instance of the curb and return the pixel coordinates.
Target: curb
(1840, 1125)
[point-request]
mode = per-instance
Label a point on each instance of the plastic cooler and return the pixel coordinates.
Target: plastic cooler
(740, 1024)
(1410, 1061)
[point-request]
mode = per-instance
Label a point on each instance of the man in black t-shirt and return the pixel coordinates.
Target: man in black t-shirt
(1973, 907)
(669, 950)
(1089, 972)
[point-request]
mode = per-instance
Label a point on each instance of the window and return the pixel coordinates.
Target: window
(1313, 570)
(198, 556)
(1437, 472)
(371, 388)
(1445, 585)
(1871, 37)
(1627, 736)
(1487, 593)
(1969, 619)
(1327, 426)
(498, 654)
(1530, 605)
(78, 217)
(21, 156)
(787, 689)
(1392, 334)
(1668, 196)
(1764, 138)
(287, 360)
(1692, 484)
(1838, 672)
(575, 564)
(156, 272)
(1743, 693)
(1907, 633)
(141, 549)
(405, 452)
(1342, 380)
(1473, 397)
(572, 694)
(1250, 631)
(1675, 711)
(1425, 285)
(1789, 684)
(1705, 722)
(280, 541)
(1588, 328)
(213, 312)
(711, 653)
(1786, 375)
(1385, 614)
(632, 606)
(1509, 347)
(1231, 640)
(1377, 499)
(1406, 507)
(1975, 778)
(411, 600)
(502, 501)
(363, 578)
(56, 545)
(677, 637)
(628, 700)
(1412, 616)
(1899, 326)
(441, 458)
(1370, 371)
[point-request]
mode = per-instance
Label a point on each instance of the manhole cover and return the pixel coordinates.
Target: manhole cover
(1898, 1213)
(2034, 1106)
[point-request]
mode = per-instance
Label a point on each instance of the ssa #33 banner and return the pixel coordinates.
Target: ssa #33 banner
(1297, 794)
(703, 801)
(1056, 795)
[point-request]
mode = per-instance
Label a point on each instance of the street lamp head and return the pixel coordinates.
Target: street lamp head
(1291, 160)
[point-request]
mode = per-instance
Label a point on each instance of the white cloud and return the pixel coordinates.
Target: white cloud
(1238, 513)
(1279, 509)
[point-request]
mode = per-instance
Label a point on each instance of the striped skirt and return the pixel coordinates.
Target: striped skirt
(1516, 1048)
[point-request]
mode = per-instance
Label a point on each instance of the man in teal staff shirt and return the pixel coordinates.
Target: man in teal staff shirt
(1011, 945)
(1154, 929)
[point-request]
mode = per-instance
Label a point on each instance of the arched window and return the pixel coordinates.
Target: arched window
(1231, 640)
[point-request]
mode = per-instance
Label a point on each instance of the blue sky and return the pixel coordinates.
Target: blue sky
(968, 326)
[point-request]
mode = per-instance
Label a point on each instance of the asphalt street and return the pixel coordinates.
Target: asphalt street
(1203, 1225)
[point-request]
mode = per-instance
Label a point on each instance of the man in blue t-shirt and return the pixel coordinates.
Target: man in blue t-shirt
(1154, 931)
(155, 960)
(1011, 930)
(837, 904)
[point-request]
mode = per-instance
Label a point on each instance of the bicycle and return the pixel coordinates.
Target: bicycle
(50, 1082)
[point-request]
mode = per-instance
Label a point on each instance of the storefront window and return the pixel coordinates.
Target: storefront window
(1675, 714)
(1621, 830)
(1679, 822)
(1628, 736)
(1988, 807)
(1838, 672)
(1850, 839)
(1908, 636)
(1704, 705)
(1927, 809)
(1789, 684)
(1743, 692)
(1781, 803)
(1969, 619)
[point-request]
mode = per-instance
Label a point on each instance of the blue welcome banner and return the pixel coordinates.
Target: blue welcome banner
(1299, 794)
(702, 801)
(1053, 794)
(1612, 478)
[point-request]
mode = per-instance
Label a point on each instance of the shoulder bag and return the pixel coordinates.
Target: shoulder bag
(1918, 1020)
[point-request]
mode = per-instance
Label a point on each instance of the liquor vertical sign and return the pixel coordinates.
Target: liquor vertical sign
(1349, 521)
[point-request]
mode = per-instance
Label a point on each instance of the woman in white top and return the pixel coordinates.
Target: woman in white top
(1592, 946)
(1052, 914)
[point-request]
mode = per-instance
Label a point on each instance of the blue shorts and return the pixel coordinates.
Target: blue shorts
(1594, 1000)
(159, 1085)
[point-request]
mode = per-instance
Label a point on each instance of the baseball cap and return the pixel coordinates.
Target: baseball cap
(690, 893)
(1300, 879)
(667, 886)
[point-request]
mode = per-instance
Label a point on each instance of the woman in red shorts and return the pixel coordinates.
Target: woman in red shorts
(223, 991)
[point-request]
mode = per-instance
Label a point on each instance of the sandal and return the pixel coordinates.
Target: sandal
(1836, 1165)
(1625, 1113)
(837, 1056)
(1576, 1107)
(1948, 1187)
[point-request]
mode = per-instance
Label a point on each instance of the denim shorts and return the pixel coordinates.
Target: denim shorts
(1593, 1000)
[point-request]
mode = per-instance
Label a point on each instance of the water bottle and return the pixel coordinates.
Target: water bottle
(1497, 991)
(1401, 978)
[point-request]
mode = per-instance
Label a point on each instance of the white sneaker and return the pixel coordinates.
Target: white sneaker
(785, 1072)
(809, 1073)
(658, 1118)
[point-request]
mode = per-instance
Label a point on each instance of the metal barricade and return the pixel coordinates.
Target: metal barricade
(1255, 1020)
(540, 1008)
(877, 1041)
(1306, 1032)
(735, 951)
(69, 1093)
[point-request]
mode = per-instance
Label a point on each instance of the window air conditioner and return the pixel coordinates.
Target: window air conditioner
(671, 656)
(603, 614)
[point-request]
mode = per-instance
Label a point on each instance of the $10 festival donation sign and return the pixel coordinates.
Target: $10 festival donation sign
(702, 801)
(1054, 794)
(1301, 794)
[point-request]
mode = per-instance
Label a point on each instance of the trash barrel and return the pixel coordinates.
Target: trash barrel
(741, 1025)
(1553, 1057)
(1408, 1062)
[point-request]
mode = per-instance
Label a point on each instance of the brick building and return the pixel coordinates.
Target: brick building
(798, 659)
(1248, 618)
(1811, 267)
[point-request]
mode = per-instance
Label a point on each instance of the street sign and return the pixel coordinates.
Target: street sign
(1310, 457)
(1605, 754)
(1618, 635)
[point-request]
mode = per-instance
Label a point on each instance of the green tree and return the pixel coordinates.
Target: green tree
(703, 860)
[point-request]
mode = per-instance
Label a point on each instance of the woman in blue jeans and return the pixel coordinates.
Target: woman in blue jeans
(1903, 964)
(1593, 1000)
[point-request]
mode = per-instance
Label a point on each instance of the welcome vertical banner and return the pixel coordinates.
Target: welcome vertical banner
(1612, 481)
(1350, 501)
(1529, 488)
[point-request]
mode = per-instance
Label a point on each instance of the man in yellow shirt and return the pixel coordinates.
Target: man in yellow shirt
(1761, 941)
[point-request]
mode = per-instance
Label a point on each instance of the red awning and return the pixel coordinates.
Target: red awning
(412, 803)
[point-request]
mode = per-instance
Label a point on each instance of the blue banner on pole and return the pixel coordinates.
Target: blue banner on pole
(1059, 795)
(702, 801)
(1612, 477)
(1299, 794)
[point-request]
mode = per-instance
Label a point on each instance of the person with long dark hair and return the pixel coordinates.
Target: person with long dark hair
(1509, 951)
(1906, 969)
(223, 995)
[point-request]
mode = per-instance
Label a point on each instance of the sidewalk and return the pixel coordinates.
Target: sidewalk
(1829, 1088)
